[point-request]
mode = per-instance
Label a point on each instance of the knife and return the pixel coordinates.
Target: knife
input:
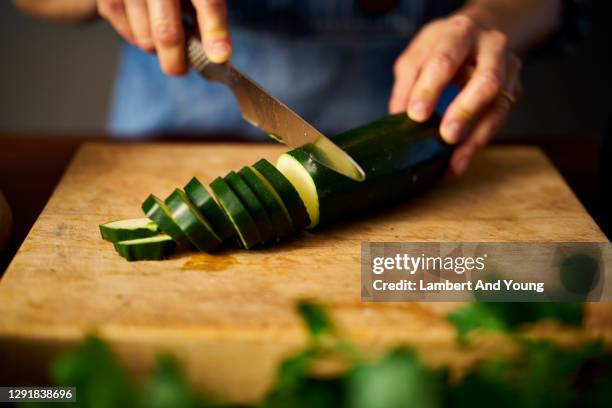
(264, 111)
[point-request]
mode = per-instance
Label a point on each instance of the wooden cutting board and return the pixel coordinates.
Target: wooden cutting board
(229, 317)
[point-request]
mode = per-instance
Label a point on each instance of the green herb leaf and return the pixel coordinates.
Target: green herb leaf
(315, 318)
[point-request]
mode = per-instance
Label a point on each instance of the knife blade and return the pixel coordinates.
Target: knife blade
(264, 111)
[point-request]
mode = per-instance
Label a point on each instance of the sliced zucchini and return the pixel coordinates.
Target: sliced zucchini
(271, 201)
(191, 222)
(133, 228)
(208, 207)
(146, 249)
(253, 206)
(291, 198)
(240, 218)
(157, 211)
(297, 175)
(399, 156)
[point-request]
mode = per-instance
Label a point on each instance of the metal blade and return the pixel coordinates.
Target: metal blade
(272, 116)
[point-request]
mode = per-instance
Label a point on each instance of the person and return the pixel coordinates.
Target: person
(338, 63)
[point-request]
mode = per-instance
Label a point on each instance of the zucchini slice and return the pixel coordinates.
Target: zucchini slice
(285, 189)
(238, 215)
(133, 228)
(253, 206)
(157, 211)
(191, 222)
(399, 156)
(146, 249)
(209, 208)
(279, 216)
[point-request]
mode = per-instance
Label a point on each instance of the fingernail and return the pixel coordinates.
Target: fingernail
(418, 111)
(461, 164)
(450, 132)
(219, 50)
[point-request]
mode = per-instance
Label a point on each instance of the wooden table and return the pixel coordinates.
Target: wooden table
(229, 317)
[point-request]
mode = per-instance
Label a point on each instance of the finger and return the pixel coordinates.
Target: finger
(405, 72)
(489, 122)
(495, 115)
(453, 46)
(114, 12)
(483, 86)
(138, 17)
(168, 35)
(212, 20)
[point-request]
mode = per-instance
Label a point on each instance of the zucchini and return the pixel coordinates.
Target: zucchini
(124, 230)
(207, 205)
(253, 206)
(262, 202)
(157, 211)
(279, 216)
(238, 215)
(285, 189)
(191, 222)
(146, 249)
(399, 156)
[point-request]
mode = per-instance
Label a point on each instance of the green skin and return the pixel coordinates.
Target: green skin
(191, 222)
(278, 215)
(288, 193)
(253, 206)
(207, 206)
(123, 234)
(145, 251)
(241, 219)
(399, 156)
(156, 210)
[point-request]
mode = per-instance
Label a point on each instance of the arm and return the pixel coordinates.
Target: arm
(525, 22)
(69, 11)
(476, 47)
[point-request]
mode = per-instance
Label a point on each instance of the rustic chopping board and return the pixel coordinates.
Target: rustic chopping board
(230, 316)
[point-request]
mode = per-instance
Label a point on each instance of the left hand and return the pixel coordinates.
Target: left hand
(458, 49)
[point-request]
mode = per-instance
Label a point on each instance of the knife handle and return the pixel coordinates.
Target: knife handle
(200, 62)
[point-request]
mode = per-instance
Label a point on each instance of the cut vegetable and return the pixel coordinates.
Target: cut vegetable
(236, 212)
(253, 206)
(191, 222)
(142, 249)
(398, 155)
(271, 201)
(123, 230)
(157, 211)
(209, 208)
(293, 170)
(263, 203)
(285, 189)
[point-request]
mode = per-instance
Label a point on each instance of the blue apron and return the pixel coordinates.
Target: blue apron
(327, 59)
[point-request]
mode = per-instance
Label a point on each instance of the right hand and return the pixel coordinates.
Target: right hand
(156, 26)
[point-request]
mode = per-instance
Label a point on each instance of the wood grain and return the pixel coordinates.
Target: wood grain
(229, 317)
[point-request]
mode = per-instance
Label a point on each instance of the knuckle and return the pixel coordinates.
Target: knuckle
(168, 34)
(443, 63)
(113, 6)
(464, 24)
(490, 82)
(500, 39)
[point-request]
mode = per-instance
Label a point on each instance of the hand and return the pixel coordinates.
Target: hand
(463, 50)
(156, 25)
